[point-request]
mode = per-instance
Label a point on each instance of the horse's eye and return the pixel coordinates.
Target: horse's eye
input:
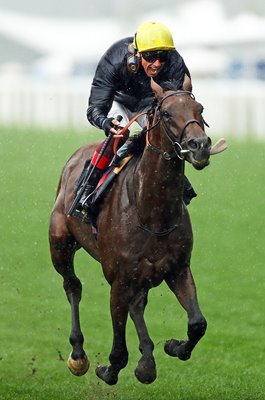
(165, 114)
(201, 108)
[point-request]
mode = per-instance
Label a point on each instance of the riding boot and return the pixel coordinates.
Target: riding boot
(188, 192)
(134, 145)
(122, 152)
(86, 198)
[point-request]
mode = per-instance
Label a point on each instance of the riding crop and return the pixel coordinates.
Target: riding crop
(90, 172)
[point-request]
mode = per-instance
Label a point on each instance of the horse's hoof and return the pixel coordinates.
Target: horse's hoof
(78, 367)
(146, 371)
(176, 348)
(106, 375)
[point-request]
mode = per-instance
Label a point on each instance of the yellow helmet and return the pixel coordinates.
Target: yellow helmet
(153, 36)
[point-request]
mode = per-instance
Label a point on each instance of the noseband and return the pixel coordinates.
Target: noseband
(176, 144)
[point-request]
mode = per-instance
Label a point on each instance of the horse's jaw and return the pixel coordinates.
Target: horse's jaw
(198, 161)
(199, 165)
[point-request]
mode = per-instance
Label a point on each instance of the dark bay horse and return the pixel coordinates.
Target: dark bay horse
(144, 235)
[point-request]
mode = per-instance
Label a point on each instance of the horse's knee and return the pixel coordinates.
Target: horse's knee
(61, 243)
(197, 328)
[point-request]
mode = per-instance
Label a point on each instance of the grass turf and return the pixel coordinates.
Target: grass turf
(227, 264)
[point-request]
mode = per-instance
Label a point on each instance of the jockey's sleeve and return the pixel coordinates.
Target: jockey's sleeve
(103, 89)
(95, 116)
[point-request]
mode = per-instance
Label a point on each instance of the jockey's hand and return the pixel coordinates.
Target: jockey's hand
(112, 125)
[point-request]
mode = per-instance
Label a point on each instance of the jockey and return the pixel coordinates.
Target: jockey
(121, 88)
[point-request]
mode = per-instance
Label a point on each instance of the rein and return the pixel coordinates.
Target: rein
(124, 130)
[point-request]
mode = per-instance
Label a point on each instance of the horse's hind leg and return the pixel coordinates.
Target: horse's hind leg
(119, 353)
(146, 368)
(63, 247)
(183, 286)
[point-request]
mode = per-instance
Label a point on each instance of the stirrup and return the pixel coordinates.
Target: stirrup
(86, 204)
(86, 198)
(121, 153)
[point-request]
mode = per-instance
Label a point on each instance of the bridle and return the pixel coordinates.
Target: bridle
(178, 151)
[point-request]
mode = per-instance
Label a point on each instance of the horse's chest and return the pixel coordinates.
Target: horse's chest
(152, 270)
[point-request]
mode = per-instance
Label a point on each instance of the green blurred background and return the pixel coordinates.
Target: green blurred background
(227, 263)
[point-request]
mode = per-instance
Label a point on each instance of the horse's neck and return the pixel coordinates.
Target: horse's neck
(159, 190)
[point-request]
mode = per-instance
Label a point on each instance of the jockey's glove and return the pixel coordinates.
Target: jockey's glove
(107, 124)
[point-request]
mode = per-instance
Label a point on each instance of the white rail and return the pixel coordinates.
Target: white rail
(234, 108)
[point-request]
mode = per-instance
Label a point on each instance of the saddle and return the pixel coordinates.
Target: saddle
(109, 175)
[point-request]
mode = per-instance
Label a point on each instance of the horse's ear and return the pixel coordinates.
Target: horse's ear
(187, 85)
(158, 91)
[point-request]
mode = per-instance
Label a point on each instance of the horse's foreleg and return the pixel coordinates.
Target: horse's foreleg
(62, 253)
(146, 368)
(183, 286)
(119, 353)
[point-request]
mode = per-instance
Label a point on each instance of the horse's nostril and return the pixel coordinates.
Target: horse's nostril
(199, 143)
(193, 145)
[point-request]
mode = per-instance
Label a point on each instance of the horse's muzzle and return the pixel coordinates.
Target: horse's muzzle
(199, 151)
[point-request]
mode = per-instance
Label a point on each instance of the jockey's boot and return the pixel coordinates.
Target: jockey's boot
(134, 145)
(121, 153)
(85, 201)
(188, 192)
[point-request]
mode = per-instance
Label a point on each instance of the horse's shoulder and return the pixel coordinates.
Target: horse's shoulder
(128, 172)
(123, 186)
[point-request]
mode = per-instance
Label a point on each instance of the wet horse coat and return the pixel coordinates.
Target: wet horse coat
(144, 236)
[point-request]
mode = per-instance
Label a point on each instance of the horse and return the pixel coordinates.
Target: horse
(144, 235)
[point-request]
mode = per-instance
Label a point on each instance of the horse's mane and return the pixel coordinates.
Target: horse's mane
(173, 84)
(137, 142)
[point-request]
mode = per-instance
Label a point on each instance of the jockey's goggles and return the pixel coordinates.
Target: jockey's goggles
(152, 56)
